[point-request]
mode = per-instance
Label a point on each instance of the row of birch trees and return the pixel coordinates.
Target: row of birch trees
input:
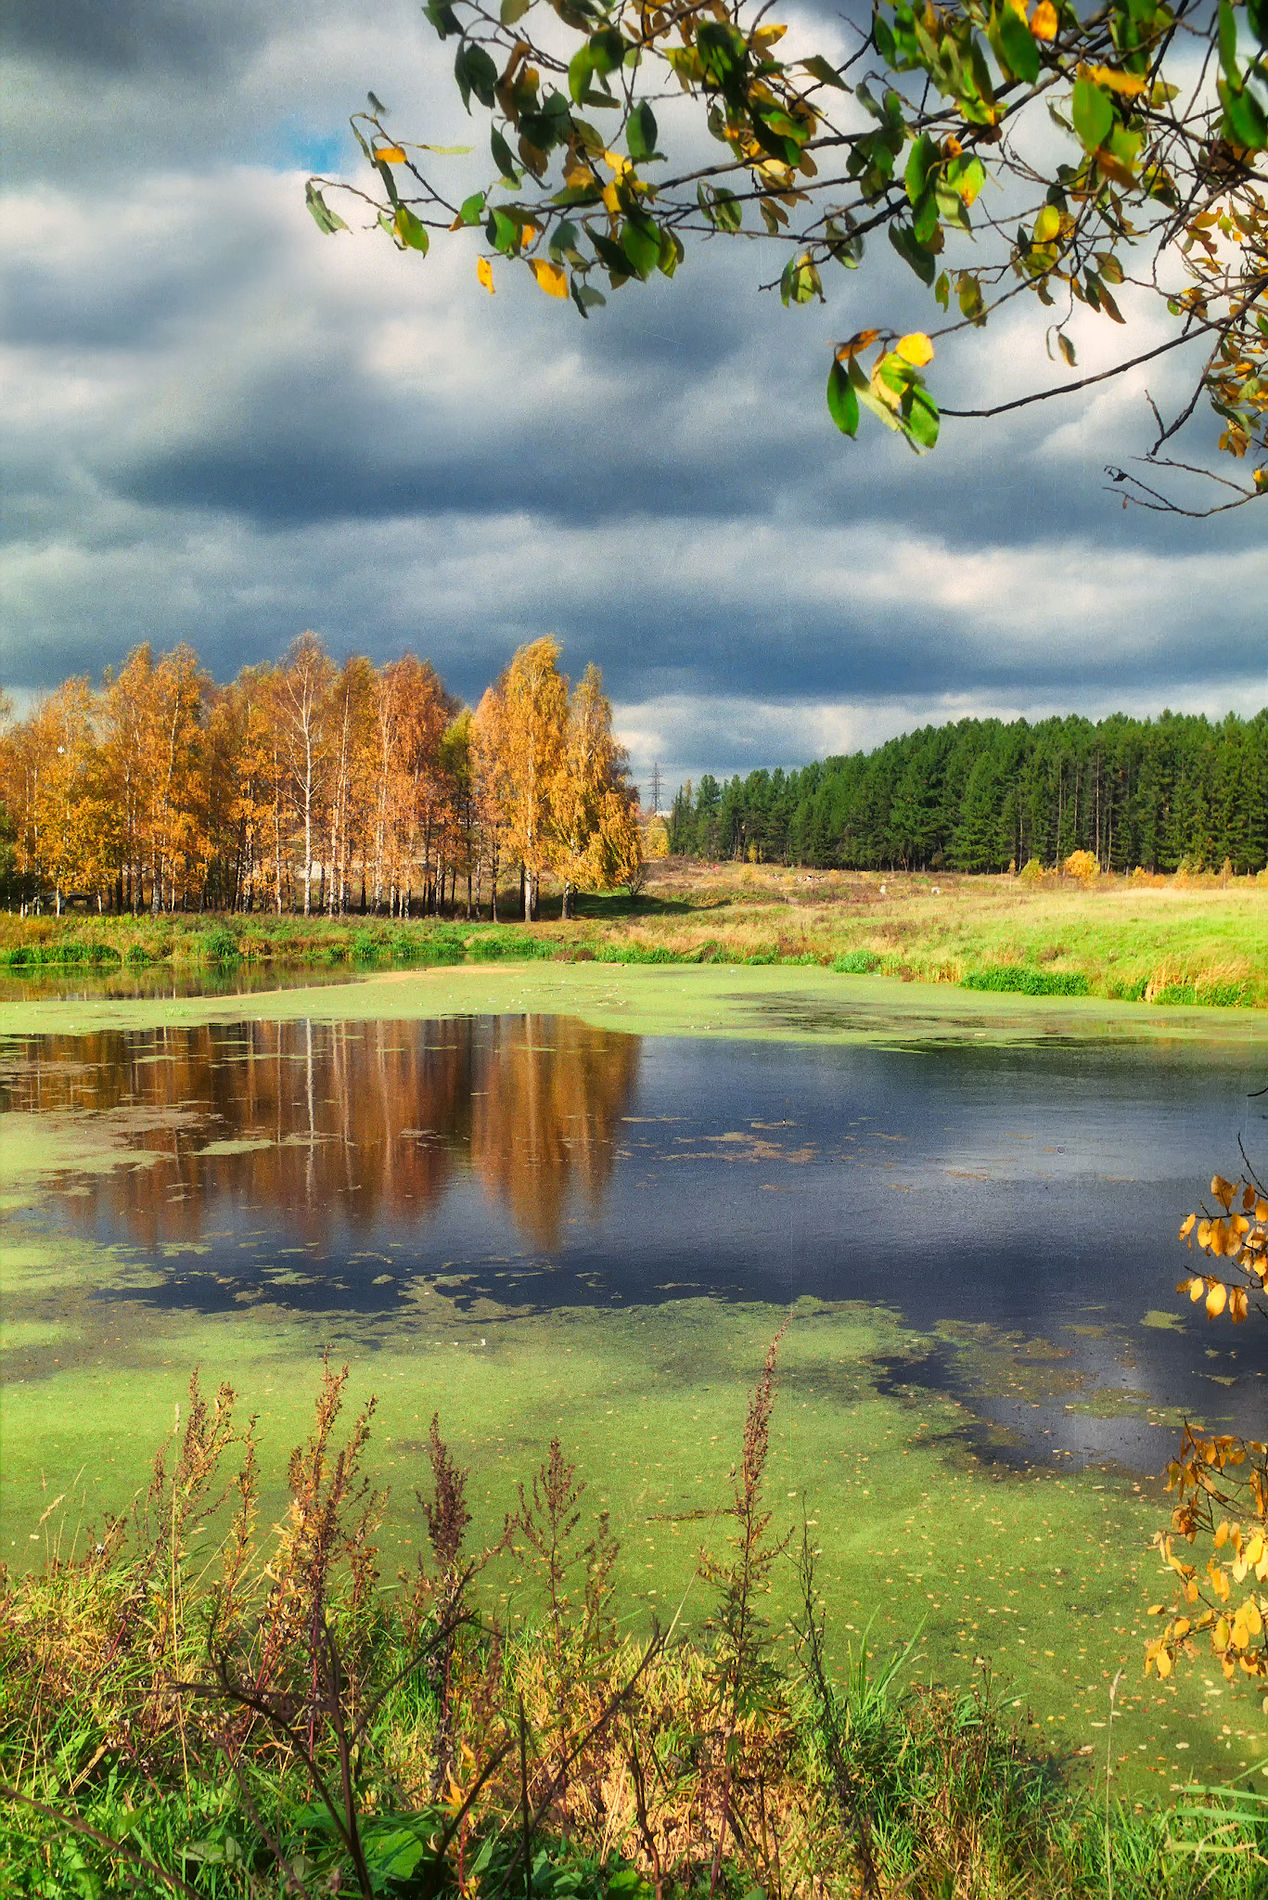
(311, 786)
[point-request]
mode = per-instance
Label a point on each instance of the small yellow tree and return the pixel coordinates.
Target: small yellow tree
(532, 719)
(596, 824)
(1220, 1480)
(1083, 865)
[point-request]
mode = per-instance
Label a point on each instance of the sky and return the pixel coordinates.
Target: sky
(222, 427)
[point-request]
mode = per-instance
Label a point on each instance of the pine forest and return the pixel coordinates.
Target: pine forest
(1167, 794)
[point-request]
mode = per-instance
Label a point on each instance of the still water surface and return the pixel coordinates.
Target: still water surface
(1017, 1206)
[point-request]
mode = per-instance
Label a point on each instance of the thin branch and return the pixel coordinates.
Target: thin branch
(1084, 382)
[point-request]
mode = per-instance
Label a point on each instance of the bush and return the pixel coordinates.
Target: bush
(1083, 865)
(1028, 982)
(366, 945)
(220, 946)
(638, 953)
(857, 963)
(1031, 872)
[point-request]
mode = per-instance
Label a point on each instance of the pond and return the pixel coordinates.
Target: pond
(542, 1223)
(1018, 1206)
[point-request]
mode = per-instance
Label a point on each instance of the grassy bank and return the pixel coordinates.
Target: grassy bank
(1178, 942)
(191, 1704)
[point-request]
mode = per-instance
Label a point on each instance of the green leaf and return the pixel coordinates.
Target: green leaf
(513, 10)
(821, 69)
(924, 156)
(843, 403)
(1257, 14)
(324, 218)
(924, 221)
(503, 233)
(721, 207)
(606, 51)
(503, 157)
(969, 295)
(640, 240)
(442, 17)
(1228, 40)
(586, 298)
(1244, 118)
(921, 417)
(903, 239)
(1067, 350)
(471, 210)
(640, 134)
(1093, 113)
(799, 282)
(966, 176)
(410, 230)
(610, 255)
(577, 195)
(580, 73)
(1018, 45)
(565, 241)
(475, 73)
(721, 50)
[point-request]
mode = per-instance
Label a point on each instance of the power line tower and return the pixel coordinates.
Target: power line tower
(655, 785)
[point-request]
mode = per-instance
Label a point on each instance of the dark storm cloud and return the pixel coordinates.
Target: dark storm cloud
(224, 428)
(128, 36)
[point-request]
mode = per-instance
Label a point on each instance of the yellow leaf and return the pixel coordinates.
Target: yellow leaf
(1188, 1227)
(550, 277)
(855, 345)
(1216, 1296)
(1222, 1190)
(1197, 1287)
(1162, 1662)
(1043, 21)
(1126, 83)
(768, 35)
(915, 348)
(484, 271)
(389, 155)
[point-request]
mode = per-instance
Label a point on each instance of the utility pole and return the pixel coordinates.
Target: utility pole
(655, 786)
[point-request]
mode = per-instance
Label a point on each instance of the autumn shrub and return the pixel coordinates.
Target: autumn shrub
(1031, 873)
(1083, 866)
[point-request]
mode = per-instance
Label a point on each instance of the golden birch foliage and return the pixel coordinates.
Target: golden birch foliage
(354, 707)
(532, 724)
(167, 723)
(68, 835)
(308, 682)
(596, 823)
(1217, 1543)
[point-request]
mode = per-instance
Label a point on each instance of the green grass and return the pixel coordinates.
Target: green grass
(1197, 944)
(965, 1794)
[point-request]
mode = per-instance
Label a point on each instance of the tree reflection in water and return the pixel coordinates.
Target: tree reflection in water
(354, 1122)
